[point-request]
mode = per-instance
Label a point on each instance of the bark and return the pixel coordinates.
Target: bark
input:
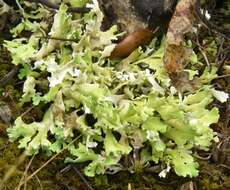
(131, 15)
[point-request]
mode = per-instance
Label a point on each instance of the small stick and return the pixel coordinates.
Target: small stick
(203, 158)
(222, 76)
(9, 76)
(51, 159)
(82, 178)
(51, 5)
(55, 38)
(39, 182)
(25, 173)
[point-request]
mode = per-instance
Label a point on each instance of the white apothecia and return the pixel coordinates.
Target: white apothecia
(125, 77)
(205, 13)
(220, 95)
(165, 171)
(74, 72)
(152, 135)
(87, 110)
(155, 86)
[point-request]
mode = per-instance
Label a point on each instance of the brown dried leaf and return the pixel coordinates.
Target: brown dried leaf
(180, 24)
(187, 186)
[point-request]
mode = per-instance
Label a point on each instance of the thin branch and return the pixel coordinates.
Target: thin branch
(27, 111)
(60, 39)
(222, 76)
(50, 160)
(39, 182)
(51, 5)
(202, 158)
(9, 76)
(82, 178)
(24, 174)
(205, 57)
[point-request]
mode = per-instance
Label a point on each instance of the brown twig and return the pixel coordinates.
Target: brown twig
(222, 76)
(39, 182)
(222, 56)
(27, 111)
(50, 160)
(201, 49)
(60, 39)
(9, 76)
(51, 5)
(24, 174)
(82, 178)
(202, 158)
(66, 169)
(220, 50)
(69, 167)
(225, 166)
